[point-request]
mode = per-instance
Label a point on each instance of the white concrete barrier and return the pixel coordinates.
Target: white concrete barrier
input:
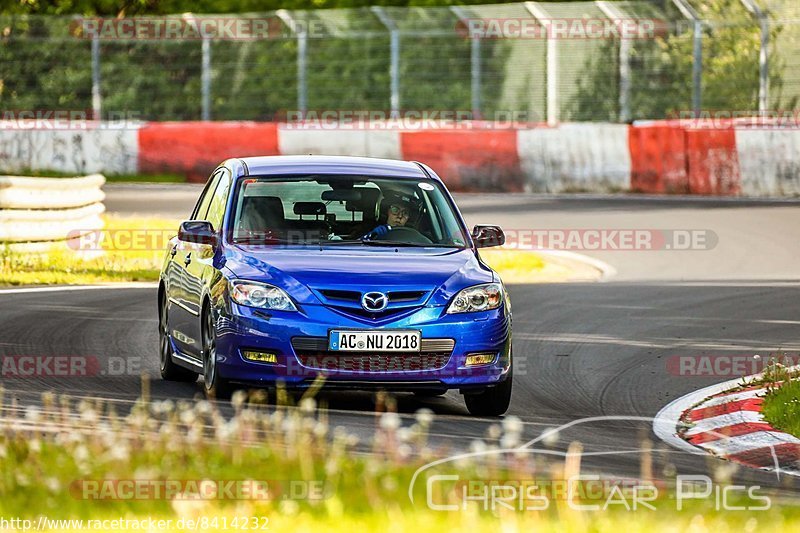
(49, 210)
(363, 142)
(769, 161)
(109, 148)
(580, 156)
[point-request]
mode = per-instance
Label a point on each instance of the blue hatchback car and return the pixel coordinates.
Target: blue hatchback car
(357, 270)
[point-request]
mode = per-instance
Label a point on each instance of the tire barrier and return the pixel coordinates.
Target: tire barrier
(36, 212)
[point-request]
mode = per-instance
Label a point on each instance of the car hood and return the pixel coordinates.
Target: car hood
(302, 270)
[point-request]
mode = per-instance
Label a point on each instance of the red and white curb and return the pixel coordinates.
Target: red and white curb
(725, 420)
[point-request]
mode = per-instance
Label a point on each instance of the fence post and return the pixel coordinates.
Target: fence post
(205, 79)
(763, 55)
(697, 68)
(613, 13)
(394, 62)
(551, 61)
(697, 53)
(302, 59)
(474, 62)
(97, 97)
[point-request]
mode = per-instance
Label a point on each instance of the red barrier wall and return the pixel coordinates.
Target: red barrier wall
(196, 148)
(658, 158)
(712, 161)
(665, 156)
(468, 160)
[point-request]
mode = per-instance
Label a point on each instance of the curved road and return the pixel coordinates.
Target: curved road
(583, 350)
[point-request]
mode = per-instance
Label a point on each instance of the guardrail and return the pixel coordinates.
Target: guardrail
(39, 213)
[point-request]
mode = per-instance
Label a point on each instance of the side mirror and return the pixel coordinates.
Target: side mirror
(198, 232)
(487, 236)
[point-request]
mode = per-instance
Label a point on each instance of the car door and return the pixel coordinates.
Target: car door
(199, 264)
(181, 316)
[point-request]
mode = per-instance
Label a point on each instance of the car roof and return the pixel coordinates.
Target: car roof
(325, 164)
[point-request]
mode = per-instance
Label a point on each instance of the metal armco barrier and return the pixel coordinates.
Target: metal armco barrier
(49, 210)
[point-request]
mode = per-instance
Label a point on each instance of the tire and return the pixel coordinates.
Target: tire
(493, 401)
(169, 370)
(214, 385)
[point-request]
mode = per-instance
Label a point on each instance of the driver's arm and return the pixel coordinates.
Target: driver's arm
(378, 231)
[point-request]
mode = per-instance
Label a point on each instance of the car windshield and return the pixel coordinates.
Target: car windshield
(331, 210)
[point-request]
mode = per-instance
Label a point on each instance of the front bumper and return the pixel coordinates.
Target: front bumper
(299, 342)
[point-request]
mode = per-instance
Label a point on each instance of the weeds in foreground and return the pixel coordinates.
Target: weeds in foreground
(85, 459)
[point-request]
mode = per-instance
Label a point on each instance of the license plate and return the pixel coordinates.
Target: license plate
(374, 341)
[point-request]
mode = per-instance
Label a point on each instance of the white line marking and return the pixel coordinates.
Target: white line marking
(65, 288)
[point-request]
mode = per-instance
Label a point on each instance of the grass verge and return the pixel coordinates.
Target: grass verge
(285, 466)
(120, 262)
(124, 262)
(781, 407)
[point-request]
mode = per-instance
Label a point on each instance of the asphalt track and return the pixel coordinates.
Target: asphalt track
(582, 350)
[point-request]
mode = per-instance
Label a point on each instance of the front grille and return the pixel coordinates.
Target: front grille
(312, 352)
(347, 296)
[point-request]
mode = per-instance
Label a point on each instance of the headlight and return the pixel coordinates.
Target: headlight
(254, 294)
(477, 298)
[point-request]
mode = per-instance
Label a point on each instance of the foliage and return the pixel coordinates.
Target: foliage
(661, 69)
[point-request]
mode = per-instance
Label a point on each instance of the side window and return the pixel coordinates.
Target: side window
(216, 211)
(201, 208)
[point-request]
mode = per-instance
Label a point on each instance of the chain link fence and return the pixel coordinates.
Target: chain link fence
(536, 61)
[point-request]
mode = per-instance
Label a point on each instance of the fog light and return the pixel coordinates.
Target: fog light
(480, 359)
(261, 357)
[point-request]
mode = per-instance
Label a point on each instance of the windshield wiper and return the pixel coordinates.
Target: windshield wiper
(325, 242)
(371, 242)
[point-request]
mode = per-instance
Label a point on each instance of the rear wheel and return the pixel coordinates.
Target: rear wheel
(169, 370)
(215, 386)
(493, 401)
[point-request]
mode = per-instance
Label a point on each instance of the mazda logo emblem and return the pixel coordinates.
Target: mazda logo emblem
(374, 301)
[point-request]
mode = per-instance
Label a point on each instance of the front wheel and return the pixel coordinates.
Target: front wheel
(214, 385)
(493, 401)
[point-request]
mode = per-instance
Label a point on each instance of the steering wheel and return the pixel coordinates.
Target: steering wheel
(406, 234)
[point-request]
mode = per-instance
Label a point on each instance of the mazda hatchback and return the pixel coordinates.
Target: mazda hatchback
(355, 272)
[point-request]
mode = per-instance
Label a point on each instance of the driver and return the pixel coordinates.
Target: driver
(396, 209)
